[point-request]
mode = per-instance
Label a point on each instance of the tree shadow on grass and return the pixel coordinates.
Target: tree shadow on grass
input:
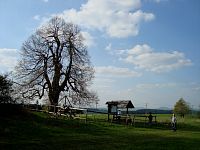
(167, 126)
(29, 130)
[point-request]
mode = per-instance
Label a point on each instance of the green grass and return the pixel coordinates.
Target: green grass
(37, 130)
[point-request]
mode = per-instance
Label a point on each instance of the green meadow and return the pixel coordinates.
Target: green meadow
(40, 131)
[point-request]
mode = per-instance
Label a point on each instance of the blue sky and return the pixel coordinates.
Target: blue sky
(144, 50)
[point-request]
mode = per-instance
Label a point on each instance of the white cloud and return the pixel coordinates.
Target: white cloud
(140, 49)
(100, 83)
(143, 56)
(8, 59)
(117, 18)
(155, 85)
(45, 1)
(111, 71)
(88, 39)
(36, 17)
(104, 80)
(158, 1)
(108, 47)
(155, 1)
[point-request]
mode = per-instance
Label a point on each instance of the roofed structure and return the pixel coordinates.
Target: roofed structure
(115, 106)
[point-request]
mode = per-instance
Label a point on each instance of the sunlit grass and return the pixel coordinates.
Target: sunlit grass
(40, 131)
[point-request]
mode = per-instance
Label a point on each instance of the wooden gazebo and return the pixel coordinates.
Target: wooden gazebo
(115, 106)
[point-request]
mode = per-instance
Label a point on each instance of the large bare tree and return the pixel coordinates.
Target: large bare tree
(54, 61)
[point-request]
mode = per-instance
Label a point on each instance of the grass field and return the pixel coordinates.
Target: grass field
(36, 130)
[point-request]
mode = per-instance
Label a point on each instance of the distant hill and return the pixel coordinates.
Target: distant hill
(136, 111)
(154, 111)
(99, 110)
(164, 108)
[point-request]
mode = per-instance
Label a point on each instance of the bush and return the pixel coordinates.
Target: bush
(5, 89)
(11, 109)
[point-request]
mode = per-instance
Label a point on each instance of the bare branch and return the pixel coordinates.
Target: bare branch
(54, 59)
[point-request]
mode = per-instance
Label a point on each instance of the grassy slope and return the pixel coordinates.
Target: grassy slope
(39, 131)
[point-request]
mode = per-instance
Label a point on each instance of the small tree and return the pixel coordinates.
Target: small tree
(5, 89)
(181, 107)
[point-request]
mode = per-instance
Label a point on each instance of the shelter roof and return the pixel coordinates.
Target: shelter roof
(121, 104)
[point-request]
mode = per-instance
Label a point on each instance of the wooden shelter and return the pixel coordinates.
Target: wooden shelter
(114, 107)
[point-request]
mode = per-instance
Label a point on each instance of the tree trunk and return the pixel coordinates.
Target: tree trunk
(53, 98)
